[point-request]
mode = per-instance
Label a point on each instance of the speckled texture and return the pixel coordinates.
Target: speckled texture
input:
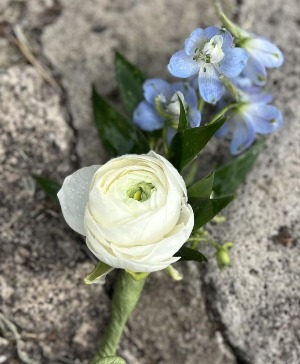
(41, 262)
(255, 304)
(258, 300)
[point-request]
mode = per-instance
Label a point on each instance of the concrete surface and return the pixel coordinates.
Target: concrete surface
(254, 306)
(257, 302)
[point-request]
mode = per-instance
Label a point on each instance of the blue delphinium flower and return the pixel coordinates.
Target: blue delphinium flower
(161, 105)
(253, 115)
(209, 52)
(262, 54)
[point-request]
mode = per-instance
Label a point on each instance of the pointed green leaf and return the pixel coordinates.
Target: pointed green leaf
(130, 82)
(229, 176)
(98, 274)
(112, 360)
(118, 135)
(202, 188)
(188, 143)
(190, 254)
(51, 188)
(183, 121)
(205, 209)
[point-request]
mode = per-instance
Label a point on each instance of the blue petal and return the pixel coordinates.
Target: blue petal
(255, 70)
(223, 131)
(189, 93)
(194, 82)
(182, 65)
(197, 37)
(243, 135)
(234, 62)
(194, 118)
(154, 87)
(264, 118)
(260, 98)
(227, 39)
(211, 88)
(146, 117)
(171, 132)
(269, 55)
(211, 31)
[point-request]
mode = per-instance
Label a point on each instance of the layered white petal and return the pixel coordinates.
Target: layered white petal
(141, 235)
(74, 195)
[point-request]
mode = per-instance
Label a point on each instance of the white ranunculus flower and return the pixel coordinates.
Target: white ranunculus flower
(133, 211)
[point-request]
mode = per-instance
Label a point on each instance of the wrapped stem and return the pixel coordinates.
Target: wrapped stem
(126, 295)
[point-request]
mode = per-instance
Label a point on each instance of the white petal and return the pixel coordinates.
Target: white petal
(73, 196)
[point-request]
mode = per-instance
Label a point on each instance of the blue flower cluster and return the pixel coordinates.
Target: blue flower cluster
(161, 106)
(253, 115)
(209, 53)
(209, 56)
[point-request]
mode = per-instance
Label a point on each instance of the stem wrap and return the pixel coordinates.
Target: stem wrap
(126, 295)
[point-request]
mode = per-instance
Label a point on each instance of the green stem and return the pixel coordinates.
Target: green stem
(195, 240)
(201, 104)
(234, 29)
(223, 112)
(164, 141)
(126, 295)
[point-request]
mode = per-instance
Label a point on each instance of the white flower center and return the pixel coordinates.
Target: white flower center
(211, 52)
(170, 109)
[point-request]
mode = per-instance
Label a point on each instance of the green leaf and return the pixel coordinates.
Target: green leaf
(188, 143)
(51, 188)
(98, 274)
(229, 176)
(205, 209)
(118, 135)
(190, 254)
(183, 121)
(202, 188)
(112, 360)
(130, 82)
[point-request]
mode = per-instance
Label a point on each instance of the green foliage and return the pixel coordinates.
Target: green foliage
(229, 176)
(205, 209)
(188, 143)
(190, 254)
(119, 135)
(98, 273)
(112, 360)
(183, 121)
(130, 82)
(51, 188)
(202, 188)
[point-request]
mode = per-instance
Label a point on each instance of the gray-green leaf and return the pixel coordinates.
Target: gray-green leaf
(98, 274)
(112, 360)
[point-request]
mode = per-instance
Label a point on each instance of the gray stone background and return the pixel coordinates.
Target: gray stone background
(50, 53)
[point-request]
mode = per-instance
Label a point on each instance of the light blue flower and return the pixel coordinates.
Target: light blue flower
(209, 52)
(253, 116)
(161, 105)
(262, 54)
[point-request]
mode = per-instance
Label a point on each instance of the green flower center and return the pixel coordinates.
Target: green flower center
(141, 191)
